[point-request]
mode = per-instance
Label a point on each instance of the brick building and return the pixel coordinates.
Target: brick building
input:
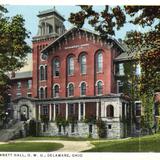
(73, 80)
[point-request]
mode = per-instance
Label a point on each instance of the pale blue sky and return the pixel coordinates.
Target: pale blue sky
(30, 12)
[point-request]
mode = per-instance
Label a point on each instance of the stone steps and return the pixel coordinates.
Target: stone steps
(11, 133)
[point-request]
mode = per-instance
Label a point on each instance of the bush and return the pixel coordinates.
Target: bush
(101, 128)
(34, 128)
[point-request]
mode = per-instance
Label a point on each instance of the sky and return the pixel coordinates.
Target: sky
(29, 12)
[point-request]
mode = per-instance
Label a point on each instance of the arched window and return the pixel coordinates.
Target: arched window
(56, 67)
(83, 89)
(70, 89)
(56, 91)
(99, 88)
(110, 111)
(41, 93)
(99, 61)
(70, 65)
(42, 72)
(83, 64)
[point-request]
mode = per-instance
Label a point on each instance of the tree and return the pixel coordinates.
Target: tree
(13, 48)
(145, 45)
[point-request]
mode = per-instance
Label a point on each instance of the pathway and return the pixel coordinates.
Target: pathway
(69, 146)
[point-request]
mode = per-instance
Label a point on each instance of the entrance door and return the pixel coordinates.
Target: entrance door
(24, 113)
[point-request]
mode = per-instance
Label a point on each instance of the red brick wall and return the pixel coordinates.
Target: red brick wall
(23, 90)
(36, 58)
(107, 76)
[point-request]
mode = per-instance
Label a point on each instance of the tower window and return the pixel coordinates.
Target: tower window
(41, 73)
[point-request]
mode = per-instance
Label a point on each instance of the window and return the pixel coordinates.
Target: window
(72, 128)
(71, 109)
(90, 128)
(45, 110)
(121, 69)
(29, 94)
(18, 85)
(59, 128)
(83, 63)
(109, 126)
(41, 93)
(110, 111)
(56, 91)
(18, 94)
(57, 109)
(138, 108)
(138, 70)
(50, 28)
(70, 90)
(83, 89)
(45, 78)
(41, 73)
(99, 61)
(46, 92)
(99, 88)
(70, 65)
(29, 84)
(56, 67)
(119, 86)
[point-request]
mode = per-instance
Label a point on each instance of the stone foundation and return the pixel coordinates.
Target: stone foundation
(80, 130)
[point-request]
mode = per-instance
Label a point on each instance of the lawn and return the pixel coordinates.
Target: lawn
(30, 147)
(65, 138)
(142, 144)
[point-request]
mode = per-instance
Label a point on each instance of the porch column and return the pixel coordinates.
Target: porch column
(97, 110)
(84, 110)
(79, 111)
(39, 112)
(50, 112)
(66, 111)
(125, 109)
(54, 112)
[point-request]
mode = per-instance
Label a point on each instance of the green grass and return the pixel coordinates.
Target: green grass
(30, 147)
(56, 138)
(142, 144)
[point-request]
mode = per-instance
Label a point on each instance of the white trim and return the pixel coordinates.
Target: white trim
(70, 83)
(99, 81)
(42, 87)
(82, 82)
(55, 85)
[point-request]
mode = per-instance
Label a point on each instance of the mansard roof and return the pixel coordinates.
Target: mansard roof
(109, 40)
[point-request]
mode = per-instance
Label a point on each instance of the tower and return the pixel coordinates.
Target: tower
(50, 27)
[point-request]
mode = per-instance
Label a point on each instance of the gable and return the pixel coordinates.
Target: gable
(80, 33)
